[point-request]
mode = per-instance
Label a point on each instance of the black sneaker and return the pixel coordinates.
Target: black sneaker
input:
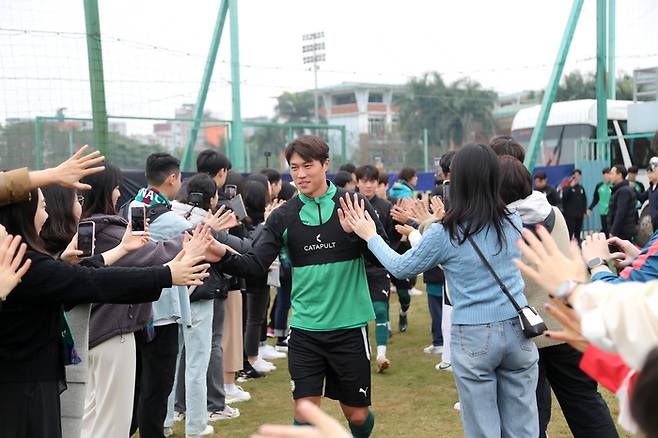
(403, 323)
(250, 373)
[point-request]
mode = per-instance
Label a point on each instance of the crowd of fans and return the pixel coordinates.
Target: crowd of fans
(161, 325)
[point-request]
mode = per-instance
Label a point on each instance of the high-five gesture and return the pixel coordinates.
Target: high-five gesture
(545, 263)
(12, 252)
(71, 171)
(222, 219)
(355, 217)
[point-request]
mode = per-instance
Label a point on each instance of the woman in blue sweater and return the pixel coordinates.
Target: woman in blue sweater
(495, 365)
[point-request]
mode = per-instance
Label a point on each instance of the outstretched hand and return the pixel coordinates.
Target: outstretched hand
(70, 172)
(12, 252)
(186, 271)
(324, 426)
(354, 214)
(222, 219)
(545, 263)
(570, 320)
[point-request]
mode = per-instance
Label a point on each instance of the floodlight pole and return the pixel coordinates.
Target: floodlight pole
(96, 77)
(186, 163)
(553, 84)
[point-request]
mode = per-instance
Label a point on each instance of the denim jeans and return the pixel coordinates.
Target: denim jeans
(496, 371)
(197, 340)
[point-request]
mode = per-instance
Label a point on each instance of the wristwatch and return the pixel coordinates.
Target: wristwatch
(565, 289)
(596, 261)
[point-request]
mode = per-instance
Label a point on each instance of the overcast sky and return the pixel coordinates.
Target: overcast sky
(155, 50)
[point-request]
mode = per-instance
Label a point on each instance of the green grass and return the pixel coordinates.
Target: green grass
(411, 399)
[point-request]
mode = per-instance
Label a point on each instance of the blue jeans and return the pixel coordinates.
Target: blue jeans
(435, 304)
(496, 371)
(197, 340)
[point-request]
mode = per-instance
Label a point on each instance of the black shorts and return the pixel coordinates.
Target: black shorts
(380, 286)
(337, 360)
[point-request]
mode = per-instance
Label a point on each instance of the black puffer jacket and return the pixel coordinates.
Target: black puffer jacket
(622, 215)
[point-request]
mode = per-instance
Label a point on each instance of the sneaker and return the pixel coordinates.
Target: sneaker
(433, 349)
(262, 366)
(209, 430)
(168, 431)
(443, 366)
(228, 413)
(404, 324)
(237, 395)
(270, 353)
(457, 407)
(383, 364)
(249, 373)
(282, 347)
(414, 292)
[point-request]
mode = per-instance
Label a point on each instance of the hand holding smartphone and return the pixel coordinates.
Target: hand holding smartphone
(138, 220)
(86, 238)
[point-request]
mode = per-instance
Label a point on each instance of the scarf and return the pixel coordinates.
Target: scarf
(151, 196)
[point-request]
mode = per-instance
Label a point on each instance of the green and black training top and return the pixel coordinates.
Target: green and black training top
(329, 286)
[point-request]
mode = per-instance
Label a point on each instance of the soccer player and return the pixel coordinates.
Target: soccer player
(328, 345)
(379, 281)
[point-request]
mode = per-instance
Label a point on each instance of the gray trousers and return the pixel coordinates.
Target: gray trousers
(215, 376)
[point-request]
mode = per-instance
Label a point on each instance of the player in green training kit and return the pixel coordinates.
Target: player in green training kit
(328, 346)
(379, 281)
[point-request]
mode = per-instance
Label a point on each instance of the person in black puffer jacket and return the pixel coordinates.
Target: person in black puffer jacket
(622, 214)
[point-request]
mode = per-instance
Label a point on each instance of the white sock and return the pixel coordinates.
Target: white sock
(381, 351)
(230, 387)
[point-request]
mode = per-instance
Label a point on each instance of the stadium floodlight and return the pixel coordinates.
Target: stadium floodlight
(314, 49)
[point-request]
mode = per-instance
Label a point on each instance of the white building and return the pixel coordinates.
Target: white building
(367, 110)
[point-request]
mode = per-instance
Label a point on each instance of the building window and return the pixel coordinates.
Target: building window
(375, 98)
(344, 99)
(376, 126)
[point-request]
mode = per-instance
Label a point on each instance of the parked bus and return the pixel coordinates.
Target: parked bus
(571, 127)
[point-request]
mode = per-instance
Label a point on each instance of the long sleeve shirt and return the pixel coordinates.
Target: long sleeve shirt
(475, 295)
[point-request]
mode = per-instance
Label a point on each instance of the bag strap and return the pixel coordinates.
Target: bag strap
(495, 276)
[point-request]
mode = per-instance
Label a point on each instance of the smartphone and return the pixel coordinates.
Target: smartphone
(86, 238)
(231, 190)
(138, 220)
(195, 198)
(613, 248)
(237, 205)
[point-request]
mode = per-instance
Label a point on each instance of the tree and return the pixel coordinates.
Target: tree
(450, 113)
(576, 85)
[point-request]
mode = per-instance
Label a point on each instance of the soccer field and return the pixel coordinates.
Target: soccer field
(411, 399)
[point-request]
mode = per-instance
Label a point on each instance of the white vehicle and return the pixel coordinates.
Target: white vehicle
(569, 135)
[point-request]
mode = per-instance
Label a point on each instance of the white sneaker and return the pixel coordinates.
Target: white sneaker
(270, 353)
(433, 349)
(443, 366)
(263, 366)
(237, 395)
(414, 292)
(228, 413)
(209, 430)
(168, 431)
(457, 407)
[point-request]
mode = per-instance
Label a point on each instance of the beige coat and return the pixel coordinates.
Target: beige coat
(537, 296)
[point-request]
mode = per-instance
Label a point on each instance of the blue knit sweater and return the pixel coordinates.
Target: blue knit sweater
(475, 295)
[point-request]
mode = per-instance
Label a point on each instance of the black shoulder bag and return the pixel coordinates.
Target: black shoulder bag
(531, 323)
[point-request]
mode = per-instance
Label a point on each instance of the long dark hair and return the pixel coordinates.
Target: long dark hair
(255, 198)
(61, 225)
(475, 201)
(98, 200)
(18, 219)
